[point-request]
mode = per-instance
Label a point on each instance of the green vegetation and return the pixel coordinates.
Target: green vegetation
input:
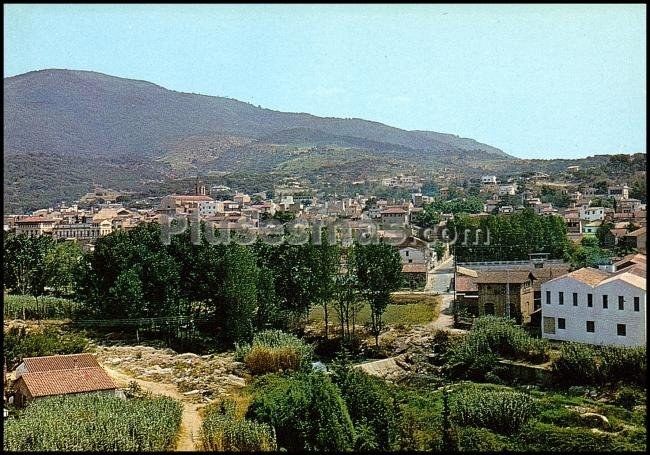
(49, 340)
(223, 431)
(25, 307)
(492, 337)
(306, 410)
(501, 411)
(511, 237)
(585, 364)
(94, 422)
(272, 351)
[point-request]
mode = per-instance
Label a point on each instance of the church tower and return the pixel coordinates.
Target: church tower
(199, 188)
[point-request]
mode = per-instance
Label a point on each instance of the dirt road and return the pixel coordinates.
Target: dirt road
(191, 423)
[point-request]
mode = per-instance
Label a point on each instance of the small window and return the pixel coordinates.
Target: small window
(561, 323)
(406, 253)
(620, 330)
(548, 297)
(575, 299)
(591, 326)
(621, 302)
(605, 303)
(410, 261)
(590, 300)
(561, 298)
(549, 325)
(636, 304)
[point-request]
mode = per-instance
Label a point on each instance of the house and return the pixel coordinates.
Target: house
(507, 293)
(635, 239)
(85, 231)
(618, 192)
(596, 307)
(591, 227)
(394, 215)
(573, 168)
(510, 189)
(34, 226)
(466, 290)
(38, 377)
(592, 213)
(415, 275)
(181, 204)
(489, 180)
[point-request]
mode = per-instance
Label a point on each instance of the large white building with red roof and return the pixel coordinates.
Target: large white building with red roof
(596, 307)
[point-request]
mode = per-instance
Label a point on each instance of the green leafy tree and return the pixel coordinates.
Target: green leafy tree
(379, 272)
(61, 263)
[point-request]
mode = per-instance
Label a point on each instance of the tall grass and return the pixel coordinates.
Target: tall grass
(94, 422)
(17, 306)
(272, 351)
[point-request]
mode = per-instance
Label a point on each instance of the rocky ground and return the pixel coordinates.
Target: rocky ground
(200, 378)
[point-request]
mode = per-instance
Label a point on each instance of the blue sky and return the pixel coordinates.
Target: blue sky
(537, 81)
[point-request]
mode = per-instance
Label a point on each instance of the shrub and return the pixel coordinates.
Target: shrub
(502, 411)
(222, 431)
(19, 343)
(492, 337)
(472, 439)
(306, 410)
(576, 364)
(371, 407)
(543, 437)
(628, 397)
(628, 364)
(581, 364)
(272, 351)
(94, 422)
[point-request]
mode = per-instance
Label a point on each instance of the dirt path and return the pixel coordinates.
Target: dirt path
(191, 423)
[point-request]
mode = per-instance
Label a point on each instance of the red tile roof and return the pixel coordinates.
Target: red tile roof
(465, 284)
(60, 362)
(62, 382)
(35, 219)
(414, 268)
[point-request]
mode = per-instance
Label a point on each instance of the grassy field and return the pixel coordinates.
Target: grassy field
(407, 309)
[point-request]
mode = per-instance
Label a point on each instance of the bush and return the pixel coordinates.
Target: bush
(472, 439)
(628, 397)
(581, 364)
(576, 364)
(502, 411)
(273, 351)
(306, 410)
(94, 422)
(543, 437)
(18, 343)
(222, 431)
(371, 407)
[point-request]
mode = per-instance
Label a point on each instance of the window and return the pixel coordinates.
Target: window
(406, 253)
(620, 330)
(410, 261)
(590, 300)
(636, 304)
(591, 326)
(575, 299)
(549, 325)
(605, 302)
(621, 302)
(561, 298)
(561, 323)
(548, 297)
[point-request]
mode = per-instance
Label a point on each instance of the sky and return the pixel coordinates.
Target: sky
(537, 81)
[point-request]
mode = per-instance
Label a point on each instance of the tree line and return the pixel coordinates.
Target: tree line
(239, 289)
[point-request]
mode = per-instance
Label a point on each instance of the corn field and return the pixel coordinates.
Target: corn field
(94, 422)
(274, 350)
(25, 306)
(502, 411)
(222, 431)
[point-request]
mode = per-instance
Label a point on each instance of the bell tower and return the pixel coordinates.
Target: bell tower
(199, 188)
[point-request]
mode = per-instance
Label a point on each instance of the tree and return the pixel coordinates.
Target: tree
(327, 260)
(379, 272)
(61, 263)
(346, 299)
(604, 235)
(25, 267)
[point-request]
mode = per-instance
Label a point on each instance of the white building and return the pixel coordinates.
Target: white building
(596, 307)
(592, 213)
(210, 208)
(489, 180)
(509, 189)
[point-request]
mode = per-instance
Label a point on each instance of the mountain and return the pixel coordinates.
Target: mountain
(65, 130)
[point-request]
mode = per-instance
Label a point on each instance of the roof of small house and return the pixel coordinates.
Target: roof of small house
(62, 382)
(414, 268)
(504, 276)
(465, 284)
(60, 362)
(632, 278)
(634, 258)
(637, 233)
(393, 210)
